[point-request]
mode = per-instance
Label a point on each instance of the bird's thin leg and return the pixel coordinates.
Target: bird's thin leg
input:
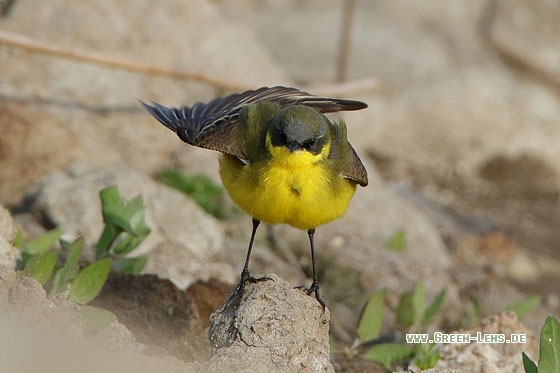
(233, 300)
(245, 276)
(314, 288)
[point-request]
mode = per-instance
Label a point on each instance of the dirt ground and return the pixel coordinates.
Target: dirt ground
(461, 138)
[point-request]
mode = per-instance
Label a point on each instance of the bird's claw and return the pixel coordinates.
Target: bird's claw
(314, 288)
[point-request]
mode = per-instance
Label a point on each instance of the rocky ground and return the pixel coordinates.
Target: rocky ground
(460, 140)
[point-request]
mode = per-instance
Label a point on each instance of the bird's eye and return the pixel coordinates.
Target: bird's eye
(308, 144)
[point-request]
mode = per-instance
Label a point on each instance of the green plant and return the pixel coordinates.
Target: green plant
(549, 357)
(412, 315)
(124, 231)
(471, 314)
(18, 240)
(524, 306)
(203, 190)
(397, 241)
(371, 318)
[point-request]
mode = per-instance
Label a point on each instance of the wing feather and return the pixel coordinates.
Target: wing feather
(213, 125)
(355, 169)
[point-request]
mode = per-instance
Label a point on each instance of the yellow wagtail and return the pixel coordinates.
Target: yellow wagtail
(283, 161)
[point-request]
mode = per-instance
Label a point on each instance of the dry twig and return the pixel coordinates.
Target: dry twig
(37, 46)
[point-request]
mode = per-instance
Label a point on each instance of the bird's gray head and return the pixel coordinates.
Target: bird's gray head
(299, 127)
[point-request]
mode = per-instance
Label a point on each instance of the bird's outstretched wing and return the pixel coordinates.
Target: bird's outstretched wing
(215, 131)
(213, 125)
(355, 169)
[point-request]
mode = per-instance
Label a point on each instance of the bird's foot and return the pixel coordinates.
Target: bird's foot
(246, 277)
(233, 300)
(314, 288)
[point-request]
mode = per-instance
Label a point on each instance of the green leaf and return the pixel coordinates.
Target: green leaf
(43, 243)
(411, 306)
(96, 318)
(129, 218)
(125, 227)
(70, 269)
(89, 281)
(425, 356)
(528, 364)
(549, 359)
(58, 286)
(125, 243)
(371, 318)
(110, 197)
(40, 266)
(116, 215)
(525, 306)
(18, 240)
(471, 314)
(202, 189)
(388, 354)
(433, 308)
(397, 241)
(191, 185)
(135, 211)
(418, 305)
(404, 313)
(131, 266)
(107, 237)
(113, 208)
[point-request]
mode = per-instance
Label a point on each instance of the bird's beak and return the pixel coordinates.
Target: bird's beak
(293, 146)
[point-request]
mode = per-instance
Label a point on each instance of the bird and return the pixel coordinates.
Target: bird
(283, 161)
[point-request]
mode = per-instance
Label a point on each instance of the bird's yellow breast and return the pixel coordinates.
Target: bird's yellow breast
(295, 188)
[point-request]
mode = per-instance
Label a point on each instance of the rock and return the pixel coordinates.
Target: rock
(183, 237)
(361, 243)
(171, 260)
(30, 322)
(7, 228)
(89, 112)
(522, 268)
(279, 329)
(275, 328)
(489, 357)
(165, 319)
(526, 31)
(8, 253)
(176, 35)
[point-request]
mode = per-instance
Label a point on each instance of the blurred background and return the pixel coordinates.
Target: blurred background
(461, 138)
